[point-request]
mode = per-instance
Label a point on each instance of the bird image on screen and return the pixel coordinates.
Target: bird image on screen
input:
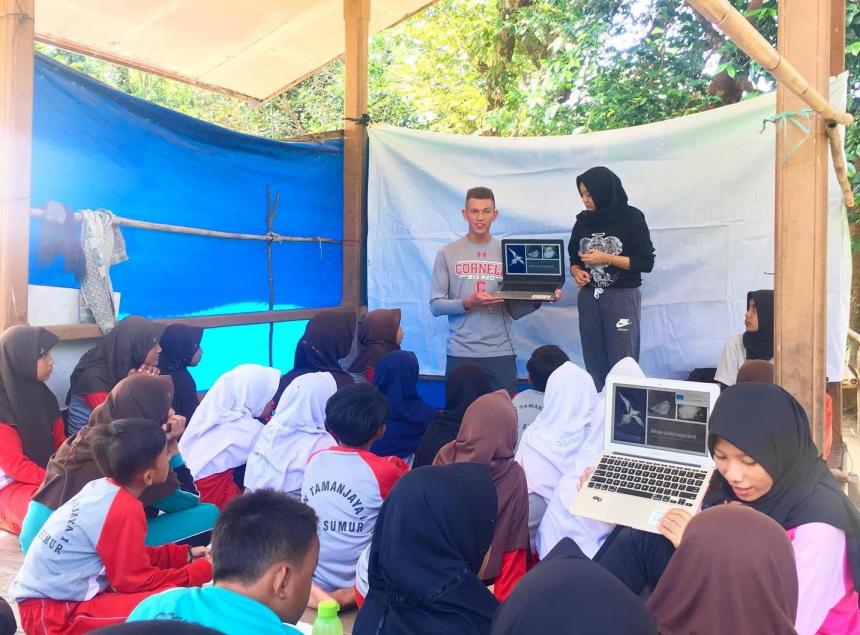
(516, 258)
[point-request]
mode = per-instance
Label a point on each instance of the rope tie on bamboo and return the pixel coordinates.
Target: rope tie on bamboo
(796, 118)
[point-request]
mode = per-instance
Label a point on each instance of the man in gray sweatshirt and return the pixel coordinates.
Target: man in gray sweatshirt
(465, 277)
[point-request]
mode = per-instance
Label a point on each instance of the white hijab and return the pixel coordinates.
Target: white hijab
(295, 432)
(558, 522)
(551, 443)
(224, 427)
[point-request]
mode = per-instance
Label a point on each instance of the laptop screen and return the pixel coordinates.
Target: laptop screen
(661, 419)
(532, 259)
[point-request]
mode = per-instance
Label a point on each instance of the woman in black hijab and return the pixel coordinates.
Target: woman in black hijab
(464, 385)
(180, 349)
(431, 536)
(568, 593)
(30, 424)
(131, 347)
(755, 343)
(610, 247)
(327, 340)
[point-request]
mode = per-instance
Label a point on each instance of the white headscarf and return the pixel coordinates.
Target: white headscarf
(295, 432)
(550, 444)
(224, 427)
(558, 522)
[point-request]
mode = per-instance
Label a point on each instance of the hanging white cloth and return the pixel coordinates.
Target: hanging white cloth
(295, 432)
(224, 428)
(558, 522)
(551, 443)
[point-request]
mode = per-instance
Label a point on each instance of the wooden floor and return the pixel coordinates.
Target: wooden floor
(11, 558)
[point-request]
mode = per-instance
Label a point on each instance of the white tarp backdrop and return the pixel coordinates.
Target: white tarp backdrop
(704, 182)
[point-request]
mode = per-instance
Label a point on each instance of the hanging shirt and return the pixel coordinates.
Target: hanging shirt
(213, 607)
(94, 542)
(346, 487)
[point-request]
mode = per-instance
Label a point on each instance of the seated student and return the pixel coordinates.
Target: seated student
(327, 340)
(487, 436)
(430, 541)
(558, 522)
(529, 403)
(346, 485)
(8, 623)
(551, 445)
(88, 566)
(74, 465)
(30, 425)
(180, 350)
(746, 555)
(464, 384)
(755, 343)
(295, 432)
(567, 593)
(765, 458)
(131, 347)
(264, 549)
(409, 415)
(224, 429)
(378, 333)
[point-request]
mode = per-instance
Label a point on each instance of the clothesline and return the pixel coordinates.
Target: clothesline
(272, 237)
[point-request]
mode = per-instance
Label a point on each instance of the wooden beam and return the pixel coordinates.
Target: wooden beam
(356, 15)
(16, 124)
(803, 36)
(837, 36)
(90, 331)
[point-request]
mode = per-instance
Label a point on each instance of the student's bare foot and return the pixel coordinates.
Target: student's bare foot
(344, 597)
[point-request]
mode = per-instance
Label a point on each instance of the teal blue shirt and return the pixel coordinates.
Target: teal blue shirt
(214, 607)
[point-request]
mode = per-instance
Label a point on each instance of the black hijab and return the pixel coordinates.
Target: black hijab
(104, 365)
(759, 345)
(606, 191)
(464, 385)
(568, 593)
(179, 343)
(768, 424)
(429, 542)
(26, 403)
(327, 340)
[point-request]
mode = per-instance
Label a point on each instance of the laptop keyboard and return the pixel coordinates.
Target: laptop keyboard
(645, 479)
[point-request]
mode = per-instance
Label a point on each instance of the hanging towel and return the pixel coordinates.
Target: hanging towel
(103, 246)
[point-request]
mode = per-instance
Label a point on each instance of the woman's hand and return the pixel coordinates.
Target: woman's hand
(673, 523)
(580, 276)
(584, 476)
(174, 427)
(144, 369)
(595, 257)
(200, 552)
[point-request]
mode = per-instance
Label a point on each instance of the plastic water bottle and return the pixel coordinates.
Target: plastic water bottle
(327, 622)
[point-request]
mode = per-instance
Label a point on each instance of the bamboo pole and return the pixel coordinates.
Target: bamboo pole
(745, 36)
(836, 151)
(271, 237)
(16, 116)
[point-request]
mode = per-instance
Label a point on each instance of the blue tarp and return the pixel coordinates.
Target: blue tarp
(96, 147)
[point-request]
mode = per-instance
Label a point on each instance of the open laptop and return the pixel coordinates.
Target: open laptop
(532, 269)
(655, 452)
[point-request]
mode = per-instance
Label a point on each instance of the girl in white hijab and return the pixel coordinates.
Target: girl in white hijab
(558, 522)
(295, 432)
(550, 445)
(224, 429)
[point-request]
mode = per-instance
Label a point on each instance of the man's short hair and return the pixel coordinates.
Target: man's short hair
(355, 413)
(543, 362)
(259, 529)
(480, 193)
(126, 447)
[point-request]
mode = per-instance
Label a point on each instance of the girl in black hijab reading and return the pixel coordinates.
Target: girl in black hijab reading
(430, 540)
(30, 424)
(610, 247)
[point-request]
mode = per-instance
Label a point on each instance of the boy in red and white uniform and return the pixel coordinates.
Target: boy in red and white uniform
(88, 566)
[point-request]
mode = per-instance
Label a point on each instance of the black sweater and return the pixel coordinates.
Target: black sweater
(621, 233)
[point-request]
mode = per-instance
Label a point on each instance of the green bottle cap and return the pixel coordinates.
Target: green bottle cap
(328, 609)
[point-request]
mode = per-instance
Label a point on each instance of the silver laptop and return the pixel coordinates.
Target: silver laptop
(532, 269)
(655, 452)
